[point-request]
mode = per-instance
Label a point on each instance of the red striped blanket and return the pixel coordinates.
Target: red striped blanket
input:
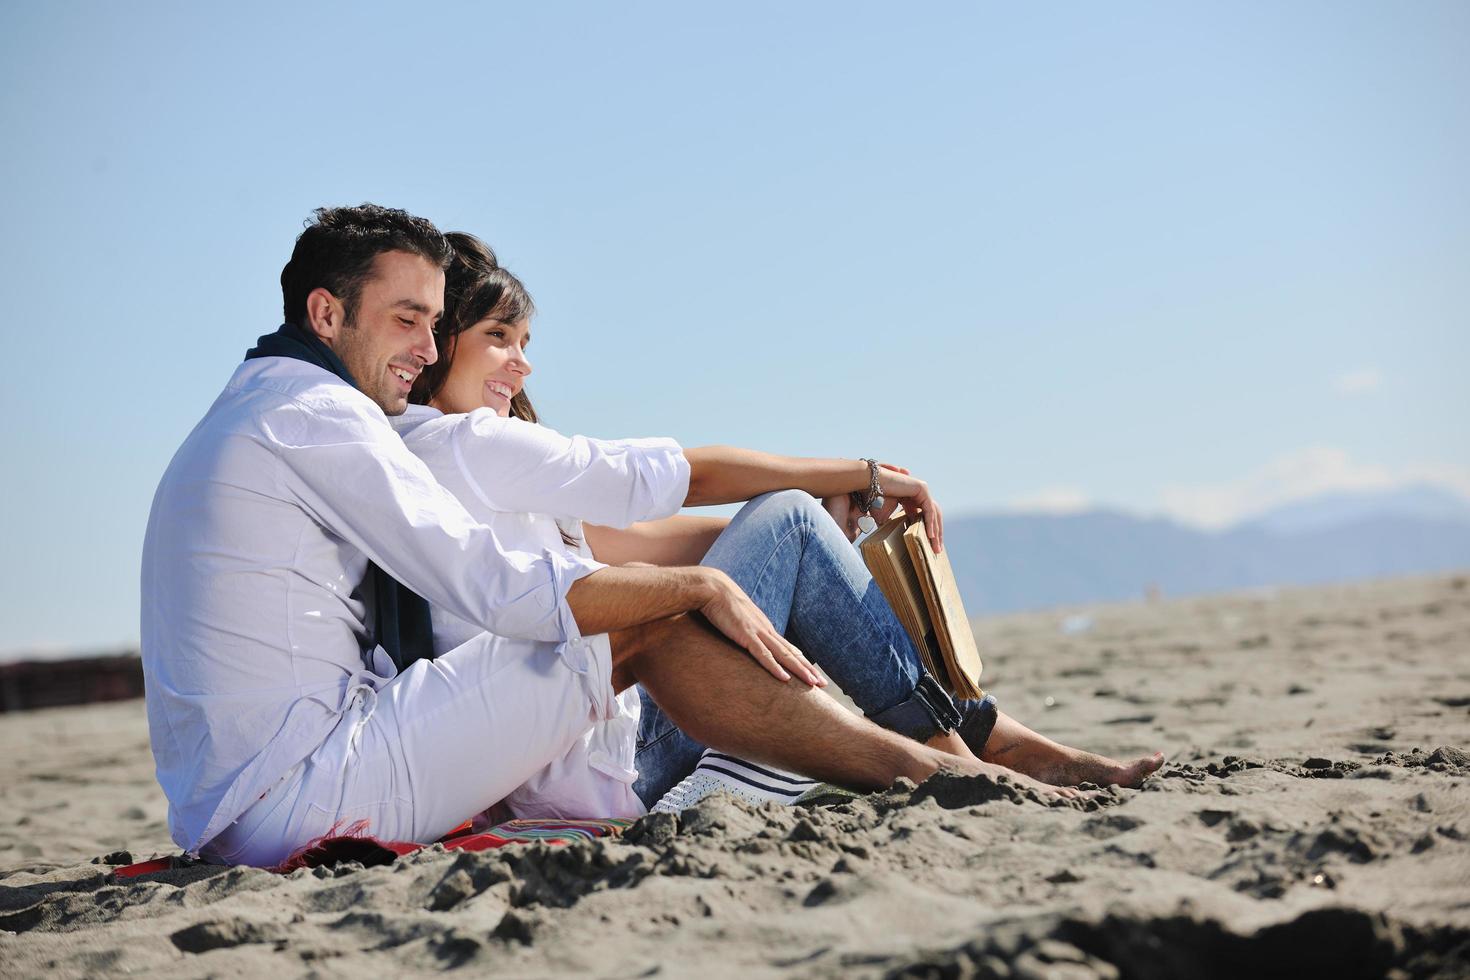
(347, 846)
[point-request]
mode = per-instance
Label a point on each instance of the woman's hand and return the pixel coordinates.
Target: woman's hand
(901, 487)
(734, 614)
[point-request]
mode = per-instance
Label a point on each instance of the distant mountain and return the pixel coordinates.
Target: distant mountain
(1009, 562)
(1422, 501)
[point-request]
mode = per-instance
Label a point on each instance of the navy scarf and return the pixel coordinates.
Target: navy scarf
(400, 615)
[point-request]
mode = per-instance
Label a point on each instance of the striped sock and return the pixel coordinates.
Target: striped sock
(718, 771)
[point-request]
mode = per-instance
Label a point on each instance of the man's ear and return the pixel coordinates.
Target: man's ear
(325, 315)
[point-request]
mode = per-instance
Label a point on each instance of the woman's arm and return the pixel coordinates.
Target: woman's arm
(725, 474)
(671, 542)
(496, 464)
(508, 465)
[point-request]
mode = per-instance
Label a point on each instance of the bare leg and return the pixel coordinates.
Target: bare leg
(952, 743)
(794, 562)
(1014, 746)
(1017, 747)
(722, 698)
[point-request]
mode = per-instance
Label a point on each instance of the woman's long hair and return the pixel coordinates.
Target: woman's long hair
(475, 287)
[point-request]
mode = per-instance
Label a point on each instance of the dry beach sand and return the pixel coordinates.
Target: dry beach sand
(1313, 819)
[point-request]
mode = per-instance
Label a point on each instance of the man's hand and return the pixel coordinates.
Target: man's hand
(622, 597)
(734, 614)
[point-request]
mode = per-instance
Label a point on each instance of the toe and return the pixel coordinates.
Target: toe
(1141, 769)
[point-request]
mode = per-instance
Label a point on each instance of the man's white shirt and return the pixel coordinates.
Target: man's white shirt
(254, 636)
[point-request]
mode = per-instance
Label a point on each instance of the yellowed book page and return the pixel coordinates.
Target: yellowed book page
(892, 568)
(888, 560)
(947, 610)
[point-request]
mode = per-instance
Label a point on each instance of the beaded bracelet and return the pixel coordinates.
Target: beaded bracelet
(870, 501)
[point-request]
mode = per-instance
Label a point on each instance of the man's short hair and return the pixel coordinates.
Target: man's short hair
(337, 249)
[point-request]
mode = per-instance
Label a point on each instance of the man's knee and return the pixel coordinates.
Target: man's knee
(651, 639)
(629, 647)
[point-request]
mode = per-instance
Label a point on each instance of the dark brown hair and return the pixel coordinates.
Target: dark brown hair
(337, 249)
(476, 287)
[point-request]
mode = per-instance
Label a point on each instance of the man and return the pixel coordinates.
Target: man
(290, 541)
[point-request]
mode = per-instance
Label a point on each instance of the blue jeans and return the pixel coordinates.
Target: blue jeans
(790, 557)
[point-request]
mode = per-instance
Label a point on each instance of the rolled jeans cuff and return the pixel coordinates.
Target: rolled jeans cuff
(924, 714)
(977, 721)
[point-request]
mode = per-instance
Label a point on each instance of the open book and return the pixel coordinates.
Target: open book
(920, 587)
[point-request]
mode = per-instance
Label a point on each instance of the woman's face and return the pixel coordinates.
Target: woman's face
(489, 368)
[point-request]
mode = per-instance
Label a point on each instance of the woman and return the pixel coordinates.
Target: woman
(473, 424)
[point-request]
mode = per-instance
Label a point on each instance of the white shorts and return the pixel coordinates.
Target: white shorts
(594, 778)
(432, 747)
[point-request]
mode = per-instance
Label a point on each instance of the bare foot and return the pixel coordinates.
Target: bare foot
(1076, 766)
(1013, 745)
(1045, 791)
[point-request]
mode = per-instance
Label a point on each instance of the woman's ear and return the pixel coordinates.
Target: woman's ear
(325, 314)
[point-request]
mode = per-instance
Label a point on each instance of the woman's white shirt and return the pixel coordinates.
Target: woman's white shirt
(531, 484)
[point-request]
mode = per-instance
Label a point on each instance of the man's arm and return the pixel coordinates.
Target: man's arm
(612, 599)
(354, 475)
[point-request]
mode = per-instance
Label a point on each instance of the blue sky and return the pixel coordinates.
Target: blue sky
(1181, 259)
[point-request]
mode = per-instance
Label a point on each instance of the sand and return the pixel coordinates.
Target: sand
(1313, 818)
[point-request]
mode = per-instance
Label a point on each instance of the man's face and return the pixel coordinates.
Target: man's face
(391, 338)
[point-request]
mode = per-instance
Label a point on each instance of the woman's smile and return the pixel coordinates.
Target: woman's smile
(499, 393)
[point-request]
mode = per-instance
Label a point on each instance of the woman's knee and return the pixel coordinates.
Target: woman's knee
(773, 530)
(793, 507)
